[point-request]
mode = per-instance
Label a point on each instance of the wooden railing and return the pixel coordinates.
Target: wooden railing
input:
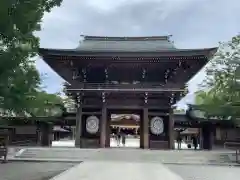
(23, 143)
(125, 86)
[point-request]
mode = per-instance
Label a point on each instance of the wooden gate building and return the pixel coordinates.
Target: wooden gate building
(117, 75)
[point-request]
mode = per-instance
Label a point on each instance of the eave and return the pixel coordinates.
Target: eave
(178, 52)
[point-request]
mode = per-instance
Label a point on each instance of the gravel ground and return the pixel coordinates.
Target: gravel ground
(191, 172)
(32, 170)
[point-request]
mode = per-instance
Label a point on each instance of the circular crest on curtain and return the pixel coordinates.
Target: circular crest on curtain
(92, 124)
(157, 125)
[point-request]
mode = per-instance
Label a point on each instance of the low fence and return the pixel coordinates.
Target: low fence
(3, 153)
(234, 146)
(4, 137)
(24, 143)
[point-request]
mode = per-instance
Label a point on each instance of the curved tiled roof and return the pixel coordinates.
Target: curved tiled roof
(105, 43)
(127, 46)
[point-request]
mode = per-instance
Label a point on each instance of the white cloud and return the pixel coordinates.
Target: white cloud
(193, 24)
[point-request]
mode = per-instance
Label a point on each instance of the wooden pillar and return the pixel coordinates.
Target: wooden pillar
(39, 135)
(207, 136)
(78, 127)
(103, 128)
(108, 127)
(211, 136)
(171, 129)
(145, 128)
(200, 139)
(141, 132)
(46, 134)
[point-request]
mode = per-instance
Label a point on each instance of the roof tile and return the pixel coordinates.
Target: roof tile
(101, 43)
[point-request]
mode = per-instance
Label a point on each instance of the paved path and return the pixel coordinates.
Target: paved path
(123, 155)
(144, 171)
(32, 171)
(118, 171)
(121, 163)
(205, 172)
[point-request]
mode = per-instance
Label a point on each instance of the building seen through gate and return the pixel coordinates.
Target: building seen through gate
(126, 75)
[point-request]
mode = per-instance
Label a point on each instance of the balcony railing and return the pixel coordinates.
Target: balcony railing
(111, 86)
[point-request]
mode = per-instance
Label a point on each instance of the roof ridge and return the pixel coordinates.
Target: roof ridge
(125, 38)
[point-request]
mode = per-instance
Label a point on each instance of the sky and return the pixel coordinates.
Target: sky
(192, 24)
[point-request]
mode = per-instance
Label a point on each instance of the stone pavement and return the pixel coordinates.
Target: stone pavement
(191, 172)
(118, 171)
(123, 155)
(130, 163)
(94, 170)
(32, 170)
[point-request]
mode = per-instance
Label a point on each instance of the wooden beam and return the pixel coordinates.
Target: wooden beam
(103, 127)
(155, 90)
(157, 113)
(136, 107)
(171, 129)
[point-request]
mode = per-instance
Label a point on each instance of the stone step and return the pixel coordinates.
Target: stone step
(119, 155)
(51, 153)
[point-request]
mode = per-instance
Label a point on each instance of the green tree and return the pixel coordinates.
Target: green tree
(222, 72)
(213, 105)
(46, 105)
(22, 87)
(223, 96)
(19, 79)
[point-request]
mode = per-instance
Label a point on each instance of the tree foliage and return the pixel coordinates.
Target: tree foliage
(19, 79)
(46, 104)
(212, 105)
(222, 98)
(42, 104)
